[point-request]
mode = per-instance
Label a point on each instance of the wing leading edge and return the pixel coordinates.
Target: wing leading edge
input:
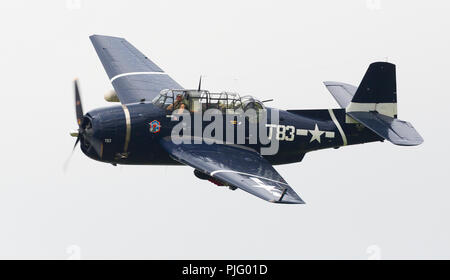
(238, 166)
(342, 92)
(133, 76)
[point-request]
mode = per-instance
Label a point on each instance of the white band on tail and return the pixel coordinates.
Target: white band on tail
(387, 109)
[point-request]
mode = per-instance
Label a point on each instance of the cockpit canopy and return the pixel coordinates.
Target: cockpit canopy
(202, 100)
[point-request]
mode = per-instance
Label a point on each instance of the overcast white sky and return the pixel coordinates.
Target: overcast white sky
(366, 201)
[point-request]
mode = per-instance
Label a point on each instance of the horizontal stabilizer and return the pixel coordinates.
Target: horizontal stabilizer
(343, 93)
(394, 130)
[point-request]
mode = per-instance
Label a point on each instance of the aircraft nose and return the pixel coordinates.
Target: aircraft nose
(90, 143)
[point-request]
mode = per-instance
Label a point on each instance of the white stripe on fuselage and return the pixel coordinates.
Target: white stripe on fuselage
(136, 73)
(341, 131)
(127, 127)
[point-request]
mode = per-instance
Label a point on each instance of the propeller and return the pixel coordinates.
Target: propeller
(79, 116)
(85, 131)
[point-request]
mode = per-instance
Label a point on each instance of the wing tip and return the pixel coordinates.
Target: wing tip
(289, 201)
(98, 36)
(408, 142)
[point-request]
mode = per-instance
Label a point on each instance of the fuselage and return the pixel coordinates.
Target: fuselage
(130, 134)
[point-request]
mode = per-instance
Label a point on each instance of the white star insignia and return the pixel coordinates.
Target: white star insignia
(271, 189)
(315, 134)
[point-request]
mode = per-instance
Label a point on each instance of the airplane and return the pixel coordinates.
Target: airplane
(139, 131)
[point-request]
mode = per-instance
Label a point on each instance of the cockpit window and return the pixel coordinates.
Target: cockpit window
(169, 99)
(159, 100)
(197, 101)
(164, 99)
(248, 102)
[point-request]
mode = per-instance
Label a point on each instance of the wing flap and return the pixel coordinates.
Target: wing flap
(238, 166)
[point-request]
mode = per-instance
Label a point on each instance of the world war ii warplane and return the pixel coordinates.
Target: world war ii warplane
(140, 130)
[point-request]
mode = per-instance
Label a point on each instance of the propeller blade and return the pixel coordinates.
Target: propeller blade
(67, 161)
(76, 143)
(81, 131)
(78, 106)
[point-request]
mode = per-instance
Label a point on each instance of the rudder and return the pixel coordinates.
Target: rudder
(377, 91)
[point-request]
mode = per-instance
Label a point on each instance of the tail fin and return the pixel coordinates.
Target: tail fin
(377, 91)
(375, 106)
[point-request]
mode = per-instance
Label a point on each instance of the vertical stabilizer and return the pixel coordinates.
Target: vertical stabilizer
(377, 91)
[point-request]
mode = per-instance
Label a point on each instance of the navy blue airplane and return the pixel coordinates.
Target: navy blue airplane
(139, 131)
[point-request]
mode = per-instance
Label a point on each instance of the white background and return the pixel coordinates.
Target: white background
(367, 201)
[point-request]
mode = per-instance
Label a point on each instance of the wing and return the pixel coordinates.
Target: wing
(343, 93)
(237, 166)
(133, 76)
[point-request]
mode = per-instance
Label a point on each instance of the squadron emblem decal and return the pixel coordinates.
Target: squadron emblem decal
(155, 126)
